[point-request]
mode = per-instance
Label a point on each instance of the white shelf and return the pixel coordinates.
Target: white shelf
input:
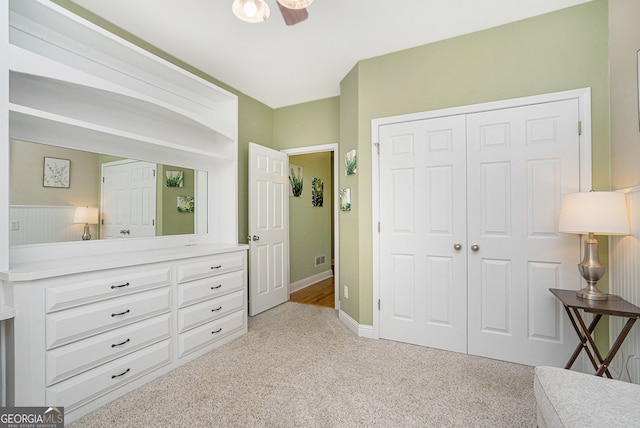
(6, 312)
(38, 126)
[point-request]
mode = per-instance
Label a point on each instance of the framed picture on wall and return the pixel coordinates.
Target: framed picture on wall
(174, 178)
(295, 180)
(317, 192)
(56, 172)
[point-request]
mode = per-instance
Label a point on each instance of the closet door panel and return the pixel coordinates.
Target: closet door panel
(520, 162)
(422, 216)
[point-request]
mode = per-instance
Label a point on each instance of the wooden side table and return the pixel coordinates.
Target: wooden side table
(615, 306)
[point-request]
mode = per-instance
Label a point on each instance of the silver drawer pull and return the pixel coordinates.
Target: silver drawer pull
(216, 287)
(217, 331)
(121, 343)
(119, 286)
(216, 267)
(121, 374)
(121, 313)
(216, 310)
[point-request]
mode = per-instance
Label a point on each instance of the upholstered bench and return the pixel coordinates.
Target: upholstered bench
(565, 398)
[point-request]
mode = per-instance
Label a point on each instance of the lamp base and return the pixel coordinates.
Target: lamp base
(591, 270)
(86, 235)
(592, 293)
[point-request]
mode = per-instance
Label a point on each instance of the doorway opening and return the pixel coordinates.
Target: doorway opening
(323, 271)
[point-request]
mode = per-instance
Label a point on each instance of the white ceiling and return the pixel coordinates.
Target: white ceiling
(280, 65)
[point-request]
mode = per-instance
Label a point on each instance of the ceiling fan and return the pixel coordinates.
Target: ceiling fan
(292, 11)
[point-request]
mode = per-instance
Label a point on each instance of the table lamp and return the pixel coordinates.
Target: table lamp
(593, 213)
(87, 216)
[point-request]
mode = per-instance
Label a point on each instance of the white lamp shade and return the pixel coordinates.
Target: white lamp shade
(600, 213)
(86, 215)
(251, 10)
(295, 4)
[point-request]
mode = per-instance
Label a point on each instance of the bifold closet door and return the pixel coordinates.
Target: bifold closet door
(423, 231)
(520, 163)
(468, 231)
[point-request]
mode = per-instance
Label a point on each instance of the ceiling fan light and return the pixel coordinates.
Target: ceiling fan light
(250, 10)
(295, 4)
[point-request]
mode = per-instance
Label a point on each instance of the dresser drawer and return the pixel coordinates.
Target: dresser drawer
(207, 288)
(209, 310)
(90, 385)
(93, 287)
(209, 266)
(86, 354)
(78, 323)
(209, 333)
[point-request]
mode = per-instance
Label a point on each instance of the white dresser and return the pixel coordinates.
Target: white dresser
(85, 337)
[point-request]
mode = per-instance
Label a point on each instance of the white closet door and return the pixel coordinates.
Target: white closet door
(520, 162)
(423, 217)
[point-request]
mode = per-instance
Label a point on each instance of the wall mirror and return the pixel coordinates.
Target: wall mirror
(128, 198)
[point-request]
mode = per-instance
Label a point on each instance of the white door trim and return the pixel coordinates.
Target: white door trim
(583, 96)
(334, 147)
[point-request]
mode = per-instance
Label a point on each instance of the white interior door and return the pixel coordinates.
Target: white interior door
(423, 233)
(491, 182)
(268, 228)
(128, 206)
(520, 163)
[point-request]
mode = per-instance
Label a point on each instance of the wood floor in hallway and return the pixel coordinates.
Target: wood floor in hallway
(318, 294)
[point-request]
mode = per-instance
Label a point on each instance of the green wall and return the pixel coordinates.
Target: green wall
(553, 52)
(309, 226)
(349, 223)
(307, 124)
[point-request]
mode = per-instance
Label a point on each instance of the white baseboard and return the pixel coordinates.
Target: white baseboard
(361, 330)
(305, 282)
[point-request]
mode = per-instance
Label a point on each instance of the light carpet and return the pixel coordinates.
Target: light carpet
(299, 366)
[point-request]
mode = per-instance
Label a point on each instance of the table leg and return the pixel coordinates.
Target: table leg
(600, 364)
(616, 346)
(583, 340)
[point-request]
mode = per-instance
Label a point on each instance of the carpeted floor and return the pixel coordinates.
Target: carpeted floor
(299, 366)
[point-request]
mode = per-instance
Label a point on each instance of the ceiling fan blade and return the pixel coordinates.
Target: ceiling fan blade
(293, 16)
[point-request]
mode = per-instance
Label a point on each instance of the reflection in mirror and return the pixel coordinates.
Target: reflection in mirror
(134, 198)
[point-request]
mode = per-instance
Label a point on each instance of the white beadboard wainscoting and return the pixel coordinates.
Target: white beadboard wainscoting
(31, 224)
(624, 265)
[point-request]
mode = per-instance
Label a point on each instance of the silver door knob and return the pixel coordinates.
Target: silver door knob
(457, 246)
(256, 238)
(475, 247)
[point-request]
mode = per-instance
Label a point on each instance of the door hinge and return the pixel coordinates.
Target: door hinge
(579, 127)
(378, 304)
(378, 227)
(153, 222)
(103, 179)
(154, 172)
(378, 147)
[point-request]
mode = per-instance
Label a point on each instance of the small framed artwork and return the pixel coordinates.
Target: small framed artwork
(174, 178)
(317, 192)
(56, 172)
(185, 204)
(295, 179)
(350, 163)
(345, 199)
